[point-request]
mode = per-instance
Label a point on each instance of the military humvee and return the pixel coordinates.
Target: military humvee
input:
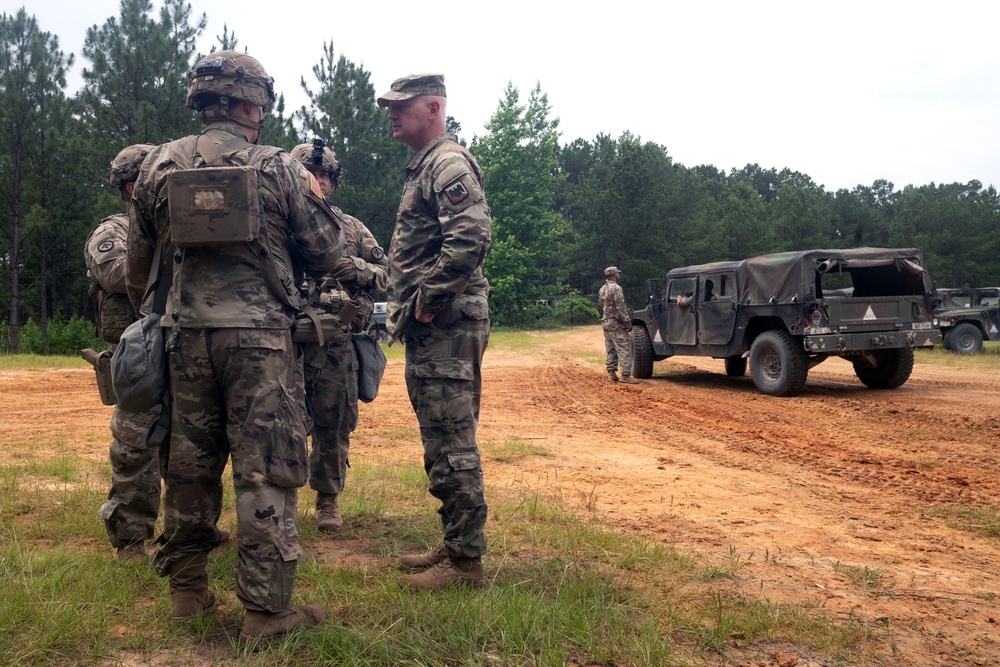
(968, 316)
(787, 312)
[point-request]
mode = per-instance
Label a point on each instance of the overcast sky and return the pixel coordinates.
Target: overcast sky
(845, 91)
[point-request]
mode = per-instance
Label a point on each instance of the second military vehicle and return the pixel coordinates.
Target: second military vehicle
(968, 316)
(784, 313)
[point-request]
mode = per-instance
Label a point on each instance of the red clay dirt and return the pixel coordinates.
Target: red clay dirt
(804, 490)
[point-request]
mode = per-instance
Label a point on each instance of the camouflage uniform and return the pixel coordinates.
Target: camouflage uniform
(134, 499)
(236, 385)
(436, 256)
(616, 321)
(332, 372)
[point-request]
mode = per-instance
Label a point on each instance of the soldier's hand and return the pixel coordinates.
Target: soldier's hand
(346, 270)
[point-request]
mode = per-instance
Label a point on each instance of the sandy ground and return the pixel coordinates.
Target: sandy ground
(804, 490)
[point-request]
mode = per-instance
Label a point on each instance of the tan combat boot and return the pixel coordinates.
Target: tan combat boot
(133, 553)
(328, 519)
(423, 561)
(189, 591)
(628, 379)
(449, 572)
(266, 625)
(612, 376)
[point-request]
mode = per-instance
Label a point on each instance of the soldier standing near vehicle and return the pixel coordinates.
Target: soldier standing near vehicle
(134, 498)
(332, 369)
(438, 306)
(617, 324)
(235, 383)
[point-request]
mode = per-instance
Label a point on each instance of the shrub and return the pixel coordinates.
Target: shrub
(65, 337)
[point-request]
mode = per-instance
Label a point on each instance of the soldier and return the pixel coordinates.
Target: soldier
(331, 370)
(438, 306)
(617, 324)
(134, 499)
(235, 383)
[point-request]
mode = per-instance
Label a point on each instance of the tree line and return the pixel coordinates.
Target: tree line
(562, 211)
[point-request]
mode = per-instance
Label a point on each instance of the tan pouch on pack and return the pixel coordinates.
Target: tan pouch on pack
(213, 206)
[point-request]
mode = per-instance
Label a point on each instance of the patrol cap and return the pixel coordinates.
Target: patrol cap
(413, 85)
(611, 270)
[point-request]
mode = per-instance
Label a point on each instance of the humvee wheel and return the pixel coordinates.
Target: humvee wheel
(965, 339)
(642, 352)
(885, 369)
(778, 364)
(736, 366)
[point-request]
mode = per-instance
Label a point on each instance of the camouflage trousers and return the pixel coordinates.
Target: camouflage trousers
(618, 349)
(237, 393)
(134, 499)
(332, 390)
(445, 383)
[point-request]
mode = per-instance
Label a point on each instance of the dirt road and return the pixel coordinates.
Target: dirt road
(830, 497)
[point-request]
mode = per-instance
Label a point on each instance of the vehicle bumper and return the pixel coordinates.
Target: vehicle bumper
(832, 343)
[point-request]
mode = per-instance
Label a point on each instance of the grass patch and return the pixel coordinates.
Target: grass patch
(988, 357)
(563, 588)
(984, 520)
(514, 450)
(37, 362)
(867, 578)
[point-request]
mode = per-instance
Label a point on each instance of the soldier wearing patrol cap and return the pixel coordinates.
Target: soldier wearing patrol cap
(331, 369)
(616, 320)
(438, 306)
(134, 498)
(234, 223)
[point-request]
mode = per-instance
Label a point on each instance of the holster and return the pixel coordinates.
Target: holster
(102, 367)
(336, 312)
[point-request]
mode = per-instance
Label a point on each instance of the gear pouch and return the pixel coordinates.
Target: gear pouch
(213, 206)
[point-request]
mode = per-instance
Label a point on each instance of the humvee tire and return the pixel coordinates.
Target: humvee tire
(736, 366)
(964, 339)
(892, 367)
(778, 364)
(642, 353)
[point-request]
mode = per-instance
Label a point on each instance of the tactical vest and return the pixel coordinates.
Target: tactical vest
(218, 204)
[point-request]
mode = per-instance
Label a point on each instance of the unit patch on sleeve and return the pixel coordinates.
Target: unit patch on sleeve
(106, 246)
(456, 193)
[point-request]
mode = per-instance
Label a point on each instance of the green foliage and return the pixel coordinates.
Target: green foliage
(33, 109)
(343, 112)
(519, 159)
(562, 211)
(65, 337)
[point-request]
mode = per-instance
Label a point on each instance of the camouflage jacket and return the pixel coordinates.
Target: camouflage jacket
(225, 286)
(611, 299)
(442, 232)
(364, 264)
(104, 253)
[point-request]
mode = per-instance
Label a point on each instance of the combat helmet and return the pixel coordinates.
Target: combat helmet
(228, 75)
(317, 157)
(125, 167)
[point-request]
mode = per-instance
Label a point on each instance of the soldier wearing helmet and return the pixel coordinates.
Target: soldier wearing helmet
(235, 223)
(134, 499)
(616, 320)
(331, 375)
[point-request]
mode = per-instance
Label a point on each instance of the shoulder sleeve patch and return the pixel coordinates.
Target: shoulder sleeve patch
(456, 192)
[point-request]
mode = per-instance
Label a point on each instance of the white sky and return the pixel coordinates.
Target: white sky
(845, 91)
